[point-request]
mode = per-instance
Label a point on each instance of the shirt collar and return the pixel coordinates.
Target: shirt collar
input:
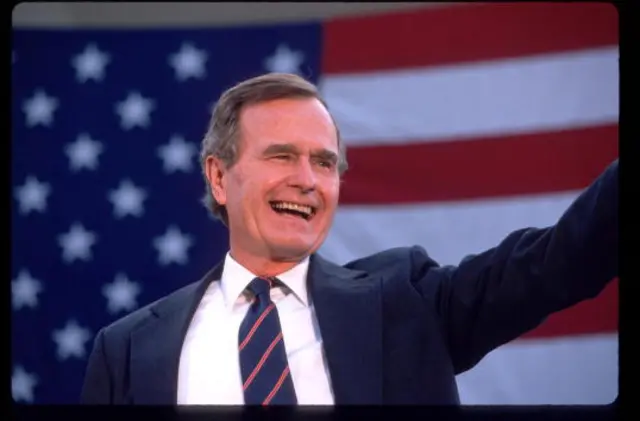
(236, 277)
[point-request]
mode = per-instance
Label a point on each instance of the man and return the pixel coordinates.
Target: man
(275, 323)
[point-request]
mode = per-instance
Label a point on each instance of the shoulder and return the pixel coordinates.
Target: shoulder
(405, 276)
(411, 261)
(398, 267)
(124, 326)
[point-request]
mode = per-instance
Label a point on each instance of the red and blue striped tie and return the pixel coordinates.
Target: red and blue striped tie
(263, 360)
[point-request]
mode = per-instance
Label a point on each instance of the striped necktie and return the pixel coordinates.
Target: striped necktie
(263, 361)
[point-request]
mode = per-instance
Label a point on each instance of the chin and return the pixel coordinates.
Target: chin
(292, 249)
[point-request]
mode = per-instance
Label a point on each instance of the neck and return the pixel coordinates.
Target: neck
(264, 266)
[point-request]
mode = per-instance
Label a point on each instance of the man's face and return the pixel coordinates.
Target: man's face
(282, 193)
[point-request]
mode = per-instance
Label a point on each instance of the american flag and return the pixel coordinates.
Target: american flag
(463, 123)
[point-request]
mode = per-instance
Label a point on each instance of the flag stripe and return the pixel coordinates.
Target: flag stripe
(490, 167)
(464, 34)
(448, 230)
(547, 92)
(564, 371)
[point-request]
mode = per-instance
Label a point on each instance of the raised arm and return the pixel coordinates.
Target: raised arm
(493, 297)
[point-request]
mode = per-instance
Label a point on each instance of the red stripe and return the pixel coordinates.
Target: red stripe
(276, 388)
(256, 325)
(599, 315)
(257, 368)
(489, 167)
(464, 33)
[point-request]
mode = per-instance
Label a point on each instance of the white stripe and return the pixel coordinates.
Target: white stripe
(553, 91)
(448, 231)
(564, 371)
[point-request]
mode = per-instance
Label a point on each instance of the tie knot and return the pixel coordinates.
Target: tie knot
(260, 286)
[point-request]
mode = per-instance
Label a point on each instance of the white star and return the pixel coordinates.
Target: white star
(83, 153)
(32, 195)
(22, 384)
(90, 64)
(284, 60)
(39, 109)
(189, 62)
(71, 340)
(76, 244)
(121, 294)
(25, 290)
(176, 155)
(172, 246)
(127, 199)
(134, 111)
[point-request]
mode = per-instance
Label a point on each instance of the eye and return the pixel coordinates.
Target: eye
(281, 156)
(324, 163)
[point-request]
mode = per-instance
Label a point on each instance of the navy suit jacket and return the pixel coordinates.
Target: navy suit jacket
(397, 327)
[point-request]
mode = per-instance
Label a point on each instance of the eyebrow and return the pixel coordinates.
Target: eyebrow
(276, 148)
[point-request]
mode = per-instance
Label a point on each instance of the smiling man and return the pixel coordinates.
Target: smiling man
(278, 189)
(275, 323)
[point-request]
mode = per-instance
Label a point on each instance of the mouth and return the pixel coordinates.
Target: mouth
(305, 212)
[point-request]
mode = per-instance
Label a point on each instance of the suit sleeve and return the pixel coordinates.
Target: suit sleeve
(96, 388)
(493, 297)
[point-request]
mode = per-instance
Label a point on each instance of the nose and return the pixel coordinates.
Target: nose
(304, 177)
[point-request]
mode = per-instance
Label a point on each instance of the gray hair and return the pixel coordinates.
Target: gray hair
(222, 137)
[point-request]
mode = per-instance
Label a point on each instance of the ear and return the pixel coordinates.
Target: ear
(216, 174)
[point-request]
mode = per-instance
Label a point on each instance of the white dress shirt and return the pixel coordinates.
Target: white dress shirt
(209, 371)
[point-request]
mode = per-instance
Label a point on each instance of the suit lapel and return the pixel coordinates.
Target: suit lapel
(348, 308)
(349, 311)
(156, 345)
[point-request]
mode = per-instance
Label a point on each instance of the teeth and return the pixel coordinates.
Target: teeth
(292, 206)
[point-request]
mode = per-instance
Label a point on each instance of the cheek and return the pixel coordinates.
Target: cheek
(332, 193)
(253, 199)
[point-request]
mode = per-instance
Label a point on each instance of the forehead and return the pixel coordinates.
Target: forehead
(297, 121)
